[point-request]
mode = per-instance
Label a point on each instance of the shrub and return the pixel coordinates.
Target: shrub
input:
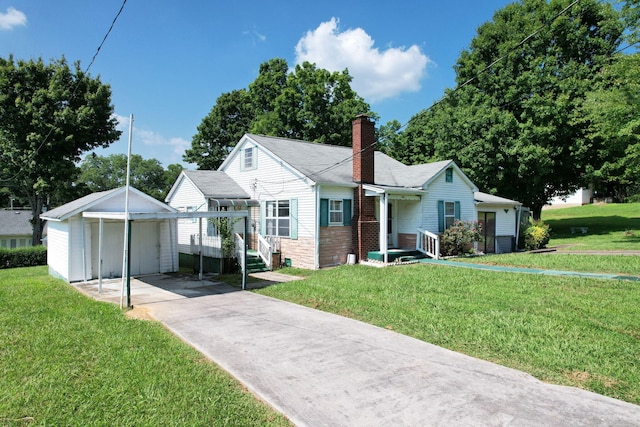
(459, 238)
(23, 257)
(536, 235)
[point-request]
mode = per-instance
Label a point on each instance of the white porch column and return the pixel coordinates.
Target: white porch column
(384, 215)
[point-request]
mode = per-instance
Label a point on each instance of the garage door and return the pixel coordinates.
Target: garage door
(145, 248)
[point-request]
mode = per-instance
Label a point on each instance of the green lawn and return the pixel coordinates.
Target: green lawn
(610, 227)
(574, 331)
(66, 360)
(615, 264)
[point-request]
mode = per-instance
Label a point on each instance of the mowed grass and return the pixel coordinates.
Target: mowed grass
(572, 331)
(613, 264)
(609, 227)
(66, 360)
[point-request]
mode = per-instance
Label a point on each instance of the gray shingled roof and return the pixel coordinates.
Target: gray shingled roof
(333, 164)
(66, 209)
(216, 184)
(494, 200)
(15, 223)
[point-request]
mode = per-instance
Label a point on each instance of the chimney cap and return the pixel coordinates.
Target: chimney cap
(362, 116)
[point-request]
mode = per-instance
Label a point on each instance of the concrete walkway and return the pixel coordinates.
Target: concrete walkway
(320, 369)
(528, 270)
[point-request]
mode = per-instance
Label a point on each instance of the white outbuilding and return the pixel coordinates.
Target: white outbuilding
(86, 236)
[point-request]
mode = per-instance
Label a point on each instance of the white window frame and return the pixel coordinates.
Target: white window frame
(336, 207)
(250, 152)
(449, 216)
(274, 220)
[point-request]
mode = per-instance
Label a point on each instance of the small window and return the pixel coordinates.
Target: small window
(449, 175)
(277, 218)
(13, 243)
(449, 214)
(192, 209)
(249, 158)
(335, 212)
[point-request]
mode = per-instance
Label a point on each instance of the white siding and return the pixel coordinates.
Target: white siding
(274, 180)
(168, 250)
(408, 214)
(75, 252)
(186, 195)
(58, 248)
(438, 189)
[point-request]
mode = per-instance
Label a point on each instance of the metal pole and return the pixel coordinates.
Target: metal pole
(100, 234)
(129, 264)
(244, 254)
(125, 255)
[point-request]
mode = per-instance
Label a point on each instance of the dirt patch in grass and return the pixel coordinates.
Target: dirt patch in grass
(139, 313)
(581, 378)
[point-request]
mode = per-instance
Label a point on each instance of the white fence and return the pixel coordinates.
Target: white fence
(211, 246)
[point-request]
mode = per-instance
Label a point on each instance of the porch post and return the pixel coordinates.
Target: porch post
(384, 215)
(100, 236)
(200, 246)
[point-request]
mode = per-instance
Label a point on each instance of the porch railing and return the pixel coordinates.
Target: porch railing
(428, 243)
(239, 243)
(211, 246)
(264, 251)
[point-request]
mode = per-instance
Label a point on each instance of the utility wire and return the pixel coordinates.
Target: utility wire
(75, 89)
(522, 42)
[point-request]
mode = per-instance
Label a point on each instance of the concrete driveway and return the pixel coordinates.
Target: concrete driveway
(321, 369)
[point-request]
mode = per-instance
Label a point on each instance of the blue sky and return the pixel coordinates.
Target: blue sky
(168, 61)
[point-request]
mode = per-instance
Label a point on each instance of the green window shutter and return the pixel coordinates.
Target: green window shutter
(346, 212)
(456, 207)
(263, 218)
(293, 218)
(324, 212)
(440, 216)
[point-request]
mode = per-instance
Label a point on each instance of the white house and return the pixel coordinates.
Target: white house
(325, 202)
(86, 236)
(15, 228)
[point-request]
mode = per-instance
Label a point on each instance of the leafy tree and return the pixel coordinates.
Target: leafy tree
(49, 115)
(220, 130)
(612, 114)
(100, 173)
(631, 14)
(510, 123)
(309, 103)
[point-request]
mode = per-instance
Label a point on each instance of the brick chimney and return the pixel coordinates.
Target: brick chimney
(365, 225)
(364, 145)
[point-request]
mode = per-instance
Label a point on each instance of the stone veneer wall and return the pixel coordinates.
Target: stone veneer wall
(335, 244)
(300, 251)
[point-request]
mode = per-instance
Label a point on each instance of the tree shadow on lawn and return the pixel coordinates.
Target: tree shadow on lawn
(596, 225)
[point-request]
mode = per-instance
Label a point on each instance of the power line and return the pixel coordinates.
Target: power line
(522, 42)
(75, 89)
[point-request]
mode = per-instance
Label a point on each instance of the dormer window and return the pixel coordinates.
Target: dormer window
(448, 175)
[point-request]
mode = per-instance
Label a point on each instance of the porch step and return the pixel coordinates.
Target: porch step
(400, 255)
(255, 264)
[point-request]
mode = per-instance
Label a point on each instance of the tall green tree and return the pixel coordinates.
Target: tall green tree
(309, 103)
(510, 123)
(50, 114)
(100, 173)
(612, 116)
(220, 130)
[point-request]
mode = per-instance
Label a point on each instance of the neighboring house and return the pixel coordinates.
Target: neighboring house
(325, 202)
(582, 196)
(86, 236)
(15, 228)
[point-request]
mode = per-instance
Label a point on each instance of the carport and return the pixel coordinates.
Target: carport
(131, 217)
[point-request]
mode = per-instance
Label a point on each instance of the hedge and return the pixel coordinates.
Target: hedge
(23, 257)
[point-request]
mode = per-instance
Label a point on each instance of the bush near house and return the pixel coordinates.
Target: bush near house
(459, 238)
(536, 235)
(23, 257)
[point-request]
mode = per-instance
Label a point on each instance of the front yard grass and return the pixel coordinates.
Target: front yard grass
(66, 360)
(614, 264)
(565, 330)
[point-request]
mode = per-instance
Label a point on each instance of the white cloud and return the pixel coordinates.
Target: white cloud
(155, 143)
(377, 75)
(13, 18)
